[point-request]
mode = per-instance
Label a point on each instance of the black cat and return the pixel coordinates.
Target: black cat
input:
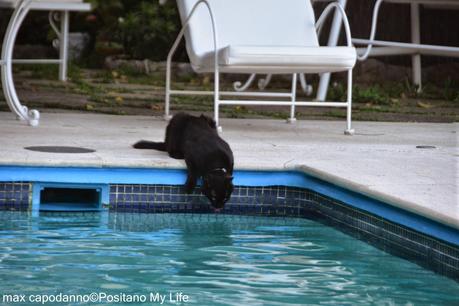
(206, 155)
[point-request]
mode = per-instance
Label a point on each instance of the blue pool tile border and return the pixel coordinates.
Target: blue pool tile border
(151, 176)
(15, 195)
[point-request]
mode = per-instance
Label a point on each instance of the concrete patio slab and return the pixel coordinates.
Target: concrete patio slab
(381, 160)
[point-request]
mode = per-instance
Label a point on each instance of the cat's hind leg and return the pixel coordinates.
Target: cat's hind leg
(176, 155)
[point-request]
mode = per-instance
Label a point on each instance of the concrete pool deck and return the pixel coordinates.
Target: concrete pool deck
(381, 160)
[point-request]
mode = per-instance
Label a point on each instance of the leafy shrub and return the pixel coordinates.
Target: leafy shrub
(149, 30)
(141, 29)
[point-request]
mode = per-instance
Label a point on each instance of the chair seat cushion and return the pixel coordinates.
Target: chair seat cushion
(283, 59)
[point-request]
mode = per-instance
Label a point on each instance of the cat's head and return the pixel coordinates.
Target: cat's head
(217, 187)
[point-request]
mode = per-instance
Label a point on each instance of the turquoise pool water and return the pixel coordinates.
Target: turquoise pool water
(212, 259)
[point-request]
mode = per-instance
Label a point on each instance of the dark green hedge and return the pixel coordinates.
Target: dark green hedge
(134, 28)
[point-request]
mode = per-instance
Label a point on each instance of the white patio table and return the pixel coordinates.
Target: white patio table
(58, 9)
(385, 48)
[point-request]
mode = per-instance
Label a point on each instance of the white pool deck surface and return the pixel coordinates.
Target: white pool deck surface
(381, 160)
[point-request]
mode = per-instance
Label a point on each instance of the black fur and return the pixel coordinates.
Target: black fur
(206, 155)
(144, 144)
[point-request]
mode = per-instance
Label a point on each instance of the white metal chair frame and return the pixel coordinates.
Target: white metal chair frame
(384, 48)
(264, 82)
(415, 48)
(387, 48)
(20, 12)
(217, 94)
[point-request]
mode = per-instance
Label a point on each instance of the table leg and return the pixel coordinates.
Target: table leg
(416, 39)
(63, 45)
(332, 41)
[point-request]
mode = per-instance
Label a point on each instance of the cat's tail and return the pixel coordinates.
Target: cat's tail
(144, 144)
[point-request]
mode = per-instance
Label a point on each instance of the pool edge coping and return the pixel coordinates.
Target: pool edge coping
(377, 195)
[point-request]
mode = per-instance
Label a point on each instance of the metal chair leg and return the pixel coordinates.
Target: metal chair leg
(292, 118)
(349, 130)
(63, 46)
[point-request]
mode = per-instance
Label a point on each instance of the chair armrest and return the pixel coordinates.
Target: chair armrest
(324, 15)
(374, 24)
(185, 25)
(174, 48)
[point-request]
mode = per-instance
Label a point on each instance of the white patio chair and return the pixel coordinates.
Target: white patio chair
(259, 36)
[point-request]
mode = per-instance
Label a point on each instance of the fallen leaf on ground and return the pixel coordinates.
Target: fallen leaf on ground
(205, 80)
(424, 105)
(156, 107)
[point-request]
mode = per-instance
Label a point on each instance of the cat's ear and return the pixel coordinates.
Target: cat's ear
(209, 120)
(212, 123)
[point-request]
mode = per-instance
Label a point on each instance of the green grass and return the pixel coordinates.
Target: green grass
(47, 72)
(449, 91)
(390, 93)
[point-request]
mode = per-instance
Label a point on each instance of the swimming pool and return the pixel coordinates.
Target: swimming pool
(213, 259)
(426, 242)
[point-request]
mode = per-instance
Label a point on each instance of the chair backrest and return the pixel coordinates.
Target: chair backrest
(250, 23)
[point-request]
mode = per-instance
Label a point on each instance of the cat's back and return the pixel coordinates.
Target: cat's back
(179, 122)
(198, 132)
(205, 141)
(197, 127)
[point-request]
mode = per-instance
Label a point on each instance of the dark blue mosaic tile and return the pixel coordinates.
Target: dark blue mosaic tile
(159, 189)
(14, 196)
(258, 192)
(167, 198)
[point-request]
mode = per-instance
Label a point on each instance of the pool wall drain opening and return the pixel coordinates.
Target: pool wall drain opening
(69, 197)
